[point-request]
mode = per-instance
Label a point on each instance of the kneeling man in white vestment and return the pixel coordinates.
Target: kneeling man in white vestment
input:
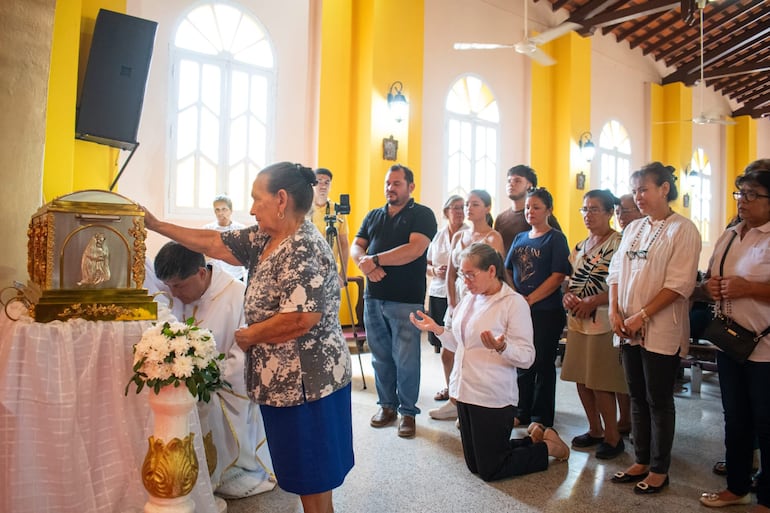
(215, 300)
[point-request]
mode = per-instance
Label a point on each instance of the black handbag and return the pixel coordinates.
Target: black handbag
(736, 341)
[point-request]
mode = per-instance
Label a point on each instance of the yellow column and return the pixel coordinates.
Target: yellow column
(671, 130)
(741, 150)
(561, 111)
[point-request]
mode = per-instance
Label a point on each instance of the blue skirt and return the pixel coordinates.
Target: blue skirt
(311, 444)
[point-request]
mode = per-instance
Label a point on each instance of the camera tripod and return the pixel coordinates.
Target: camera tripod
(332, 238)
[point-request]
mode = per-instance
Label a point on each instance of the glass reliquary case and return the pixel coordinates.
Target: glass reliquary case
(85, 258)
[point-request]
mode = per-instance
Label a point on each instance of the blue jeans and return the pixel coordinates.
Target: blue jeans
(747, 417)
(395, 345)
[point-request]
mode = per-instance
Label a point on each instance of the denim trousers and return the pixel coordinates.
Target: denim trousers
(537, 385)
(745, 400)
(395, 345)
(488, 448)
(651, 378)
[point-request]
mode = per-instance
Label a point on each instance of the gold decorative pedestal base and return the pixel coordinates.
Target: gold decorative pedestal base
(95, 305)
(170, 469)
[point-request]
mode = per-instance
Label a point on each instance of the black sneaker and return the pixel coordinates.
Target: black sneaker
(606, 451)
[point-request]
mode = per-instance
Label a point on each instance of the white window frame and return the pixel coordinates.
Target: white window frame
(227, 65)
(614, 155)
(472, 123)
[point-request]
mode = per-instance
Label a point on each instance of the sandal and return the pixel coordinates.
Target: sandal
(442, 395)
(720, 468)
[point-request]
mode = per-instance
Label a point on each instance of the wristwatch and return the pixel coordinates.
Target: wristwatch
(376, 260)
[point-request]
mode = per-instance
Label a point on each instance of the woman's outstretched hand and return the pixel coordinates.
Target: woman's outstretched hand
(424, 322)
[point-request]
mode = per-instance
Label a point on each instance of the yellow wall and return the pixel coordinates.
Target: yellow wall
(69, 164)
(561, 112)
(361, 56)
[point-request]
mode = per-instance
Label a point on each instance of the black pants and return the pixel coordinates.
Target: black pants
(651, 377)
(437, 307)
(537, 385)
(744, 389)
(488, 448)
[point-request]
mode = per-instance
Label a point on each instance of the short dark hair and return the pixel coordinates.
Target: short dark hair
(408, 175)
(605, 197)
(176, 261)
(525, 171)
(757, 172)
(543, 195)
(660, 174)
(324, 171)
(223, 198)
(296, 179)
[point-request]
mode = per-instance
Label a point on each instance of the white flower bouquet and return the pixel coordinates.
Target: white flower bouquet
(176, 353)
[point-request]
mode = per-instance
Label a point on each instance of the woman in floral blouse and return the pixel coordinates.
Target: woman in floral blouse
(298, 366)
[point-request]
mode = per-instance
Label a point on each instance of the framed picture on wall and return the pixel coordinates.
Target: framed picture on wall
(389, 149)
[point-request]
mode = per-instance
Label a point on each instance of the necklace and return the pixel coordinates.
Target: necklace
(642, 253)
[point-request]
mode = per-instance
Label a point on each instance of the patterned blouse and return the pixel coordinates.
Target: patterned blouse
(590, 275)
(589, 279)
(299, 276)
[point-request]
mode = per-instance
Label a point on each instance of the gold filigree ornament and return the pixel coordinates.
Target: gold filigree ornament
(170, 470)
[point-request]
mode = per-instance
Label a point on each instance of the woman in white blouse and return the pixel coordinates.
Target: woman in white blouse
(651, 278)
(743, 293)
(491, 335)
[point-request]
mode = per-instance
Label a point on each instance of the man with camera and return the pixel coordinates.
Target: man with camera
(324, 215)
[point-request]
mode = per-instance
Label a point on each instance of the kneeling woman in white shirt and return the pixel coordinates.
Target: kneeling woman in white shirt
(491, 336)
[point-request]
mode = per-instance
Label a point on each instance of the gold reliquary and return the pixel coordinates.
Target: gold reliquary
(85, 257)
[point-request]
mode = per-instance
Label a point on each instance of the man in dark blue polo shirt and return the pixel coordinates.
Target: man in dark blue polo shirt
(390, 249)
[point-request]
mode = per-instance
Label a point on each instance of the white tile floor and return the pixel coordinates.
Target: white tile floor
(428, 473)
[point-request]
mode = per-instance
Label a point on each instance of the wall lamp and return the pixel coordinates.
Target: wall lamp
(399, 107)
(587, 148)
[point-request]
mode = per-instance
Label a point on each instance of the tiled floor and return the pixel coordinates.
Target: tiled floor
(428, 473)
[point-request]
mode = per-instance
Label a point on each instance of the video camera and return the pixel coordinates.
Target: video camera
(343, 207)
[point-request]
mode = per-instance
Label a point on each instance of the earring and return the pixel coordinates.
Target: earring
(281, 215)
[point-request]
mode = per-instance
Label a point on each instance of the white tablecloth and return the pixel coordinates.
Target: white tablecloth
(70, 440)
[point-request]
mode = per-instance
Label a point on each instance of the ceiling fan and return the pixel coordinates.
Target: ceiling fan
(529, 46)
(702, 118)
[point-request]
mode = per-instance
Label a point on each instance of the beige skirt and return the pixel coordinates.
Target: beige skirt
(594, 362)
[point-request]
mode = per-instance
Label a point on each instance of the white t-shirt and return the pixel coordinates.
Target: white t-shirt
(236, 271)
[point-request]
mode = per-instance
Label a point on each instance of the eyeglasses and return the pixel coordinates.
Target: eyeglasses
(748, 195)
(590, 210)
(627, 211)
(460, 208)
(640, 254)
(467, 276)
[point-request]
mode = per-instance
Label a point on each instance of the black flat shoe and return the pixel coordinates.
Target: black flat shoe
(606, 451)
(646, 489)
(586, 440)
(622, 477)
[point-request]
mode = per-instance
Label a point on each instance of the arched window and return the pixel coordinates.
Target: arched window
(614, 159)
(472, 138)
(699, 185)
(222, 97)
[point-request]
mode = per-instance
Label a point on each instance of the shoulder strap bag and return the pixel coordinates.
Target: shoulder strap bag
(736, 341)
